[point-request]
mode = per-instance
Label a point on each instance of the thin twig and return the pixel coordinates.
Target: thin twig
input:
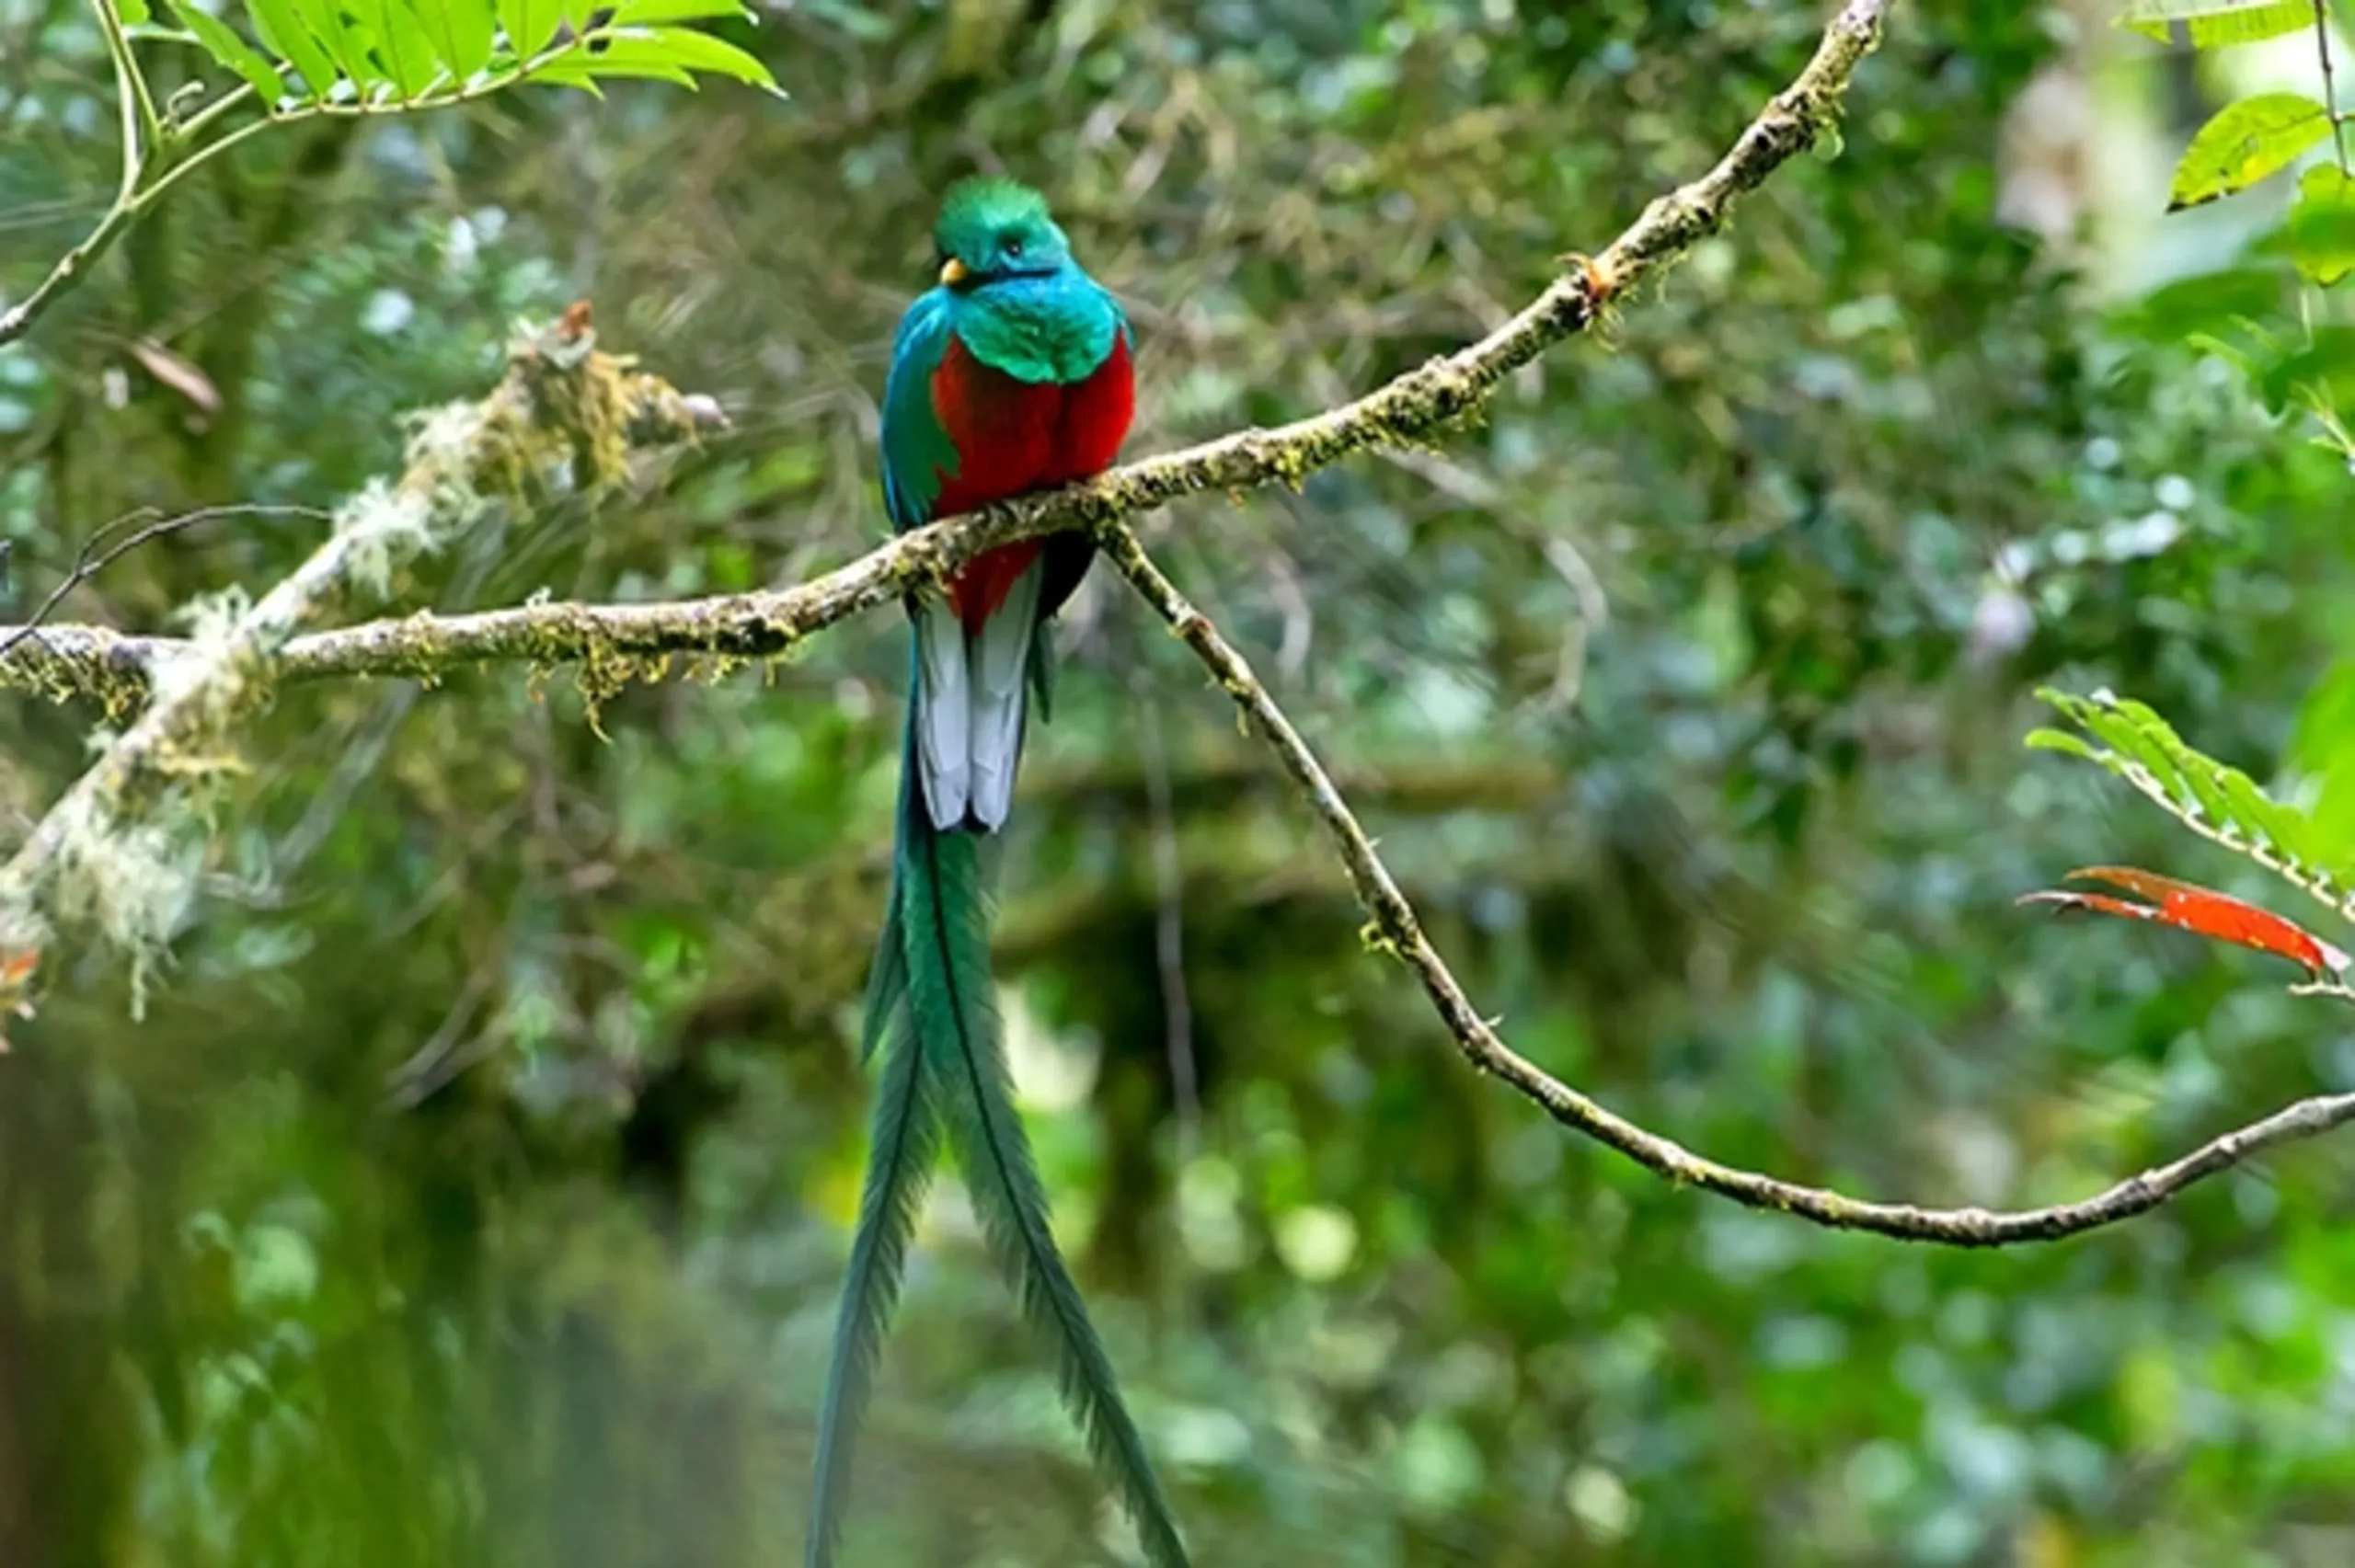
(198, 123)
(447, 1053)
(1396, 930)
(2331, 84)
(19, 318)
(88, 562)
(142, 128)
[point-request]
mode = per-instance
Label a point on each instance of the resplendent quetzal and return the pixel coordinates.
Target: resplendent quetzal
(1013, 375)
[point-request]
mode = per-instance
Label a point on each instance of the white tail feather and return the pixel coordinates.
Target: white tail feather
(944, 706)
(999, 667)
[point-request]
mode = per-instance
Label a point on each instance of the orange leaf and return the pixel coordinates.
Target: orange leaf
(2202, 911)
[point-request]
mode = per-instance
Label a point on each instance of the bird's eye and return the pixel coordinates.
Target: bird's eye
(1013, 248)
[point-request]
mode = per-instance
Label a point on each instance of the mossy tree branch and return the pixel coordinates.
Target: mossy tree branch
(1412, 408)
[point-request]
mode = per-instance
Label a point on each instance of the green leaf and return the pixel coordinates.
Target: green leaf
(2209, 781)
(641, 12)
(2321, 227)
(2321, 374)
(2126, 738)
(344, 42)
(461, 32)
(563, 74)
(697, 51)
(404, 54)
(2061, 741)
(2327, 751)
(133, 13)
(2219, 24)
(581, 68)
(2211, 302)
(2267, 820)
(530, 24)
(282, 31)
(227, 47)
(2245, 142)
(2232, 354)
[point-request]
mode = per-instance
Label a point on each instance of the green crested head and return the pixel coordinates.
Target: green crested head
(1010, 290)
(991, 228)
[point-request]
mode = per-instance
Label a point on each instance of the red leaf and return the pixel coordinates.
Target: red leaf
(2202, 911)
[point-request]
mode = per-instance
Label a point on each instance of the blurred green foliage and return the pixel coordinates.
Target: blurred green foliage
(476, 1188)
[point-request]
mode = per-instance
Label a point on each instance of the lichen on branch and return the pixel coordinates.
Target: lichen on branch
(119, 851)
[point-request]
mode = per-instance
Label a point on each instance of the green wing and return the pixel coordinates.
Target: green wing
(916, 452)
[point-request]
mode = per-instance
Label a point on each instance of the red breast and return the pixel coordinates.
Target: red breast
(1013, 437)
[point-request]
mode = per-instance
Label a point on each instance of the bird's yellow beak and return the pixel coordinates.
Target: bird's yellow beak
(953, 272)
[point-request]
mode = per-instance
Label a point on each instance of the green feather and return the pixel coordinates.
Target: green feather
(906, 1142)
(945, 916)
(917, 454)
(975, 209)
(1043, 669)
(887, 983)
(906, 1138)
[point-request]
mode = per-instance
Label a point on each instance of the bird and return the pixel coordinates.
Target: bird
(1014, 374)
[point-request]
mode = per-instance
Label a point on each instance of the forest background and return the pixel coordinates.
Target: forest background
(471, 1183)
